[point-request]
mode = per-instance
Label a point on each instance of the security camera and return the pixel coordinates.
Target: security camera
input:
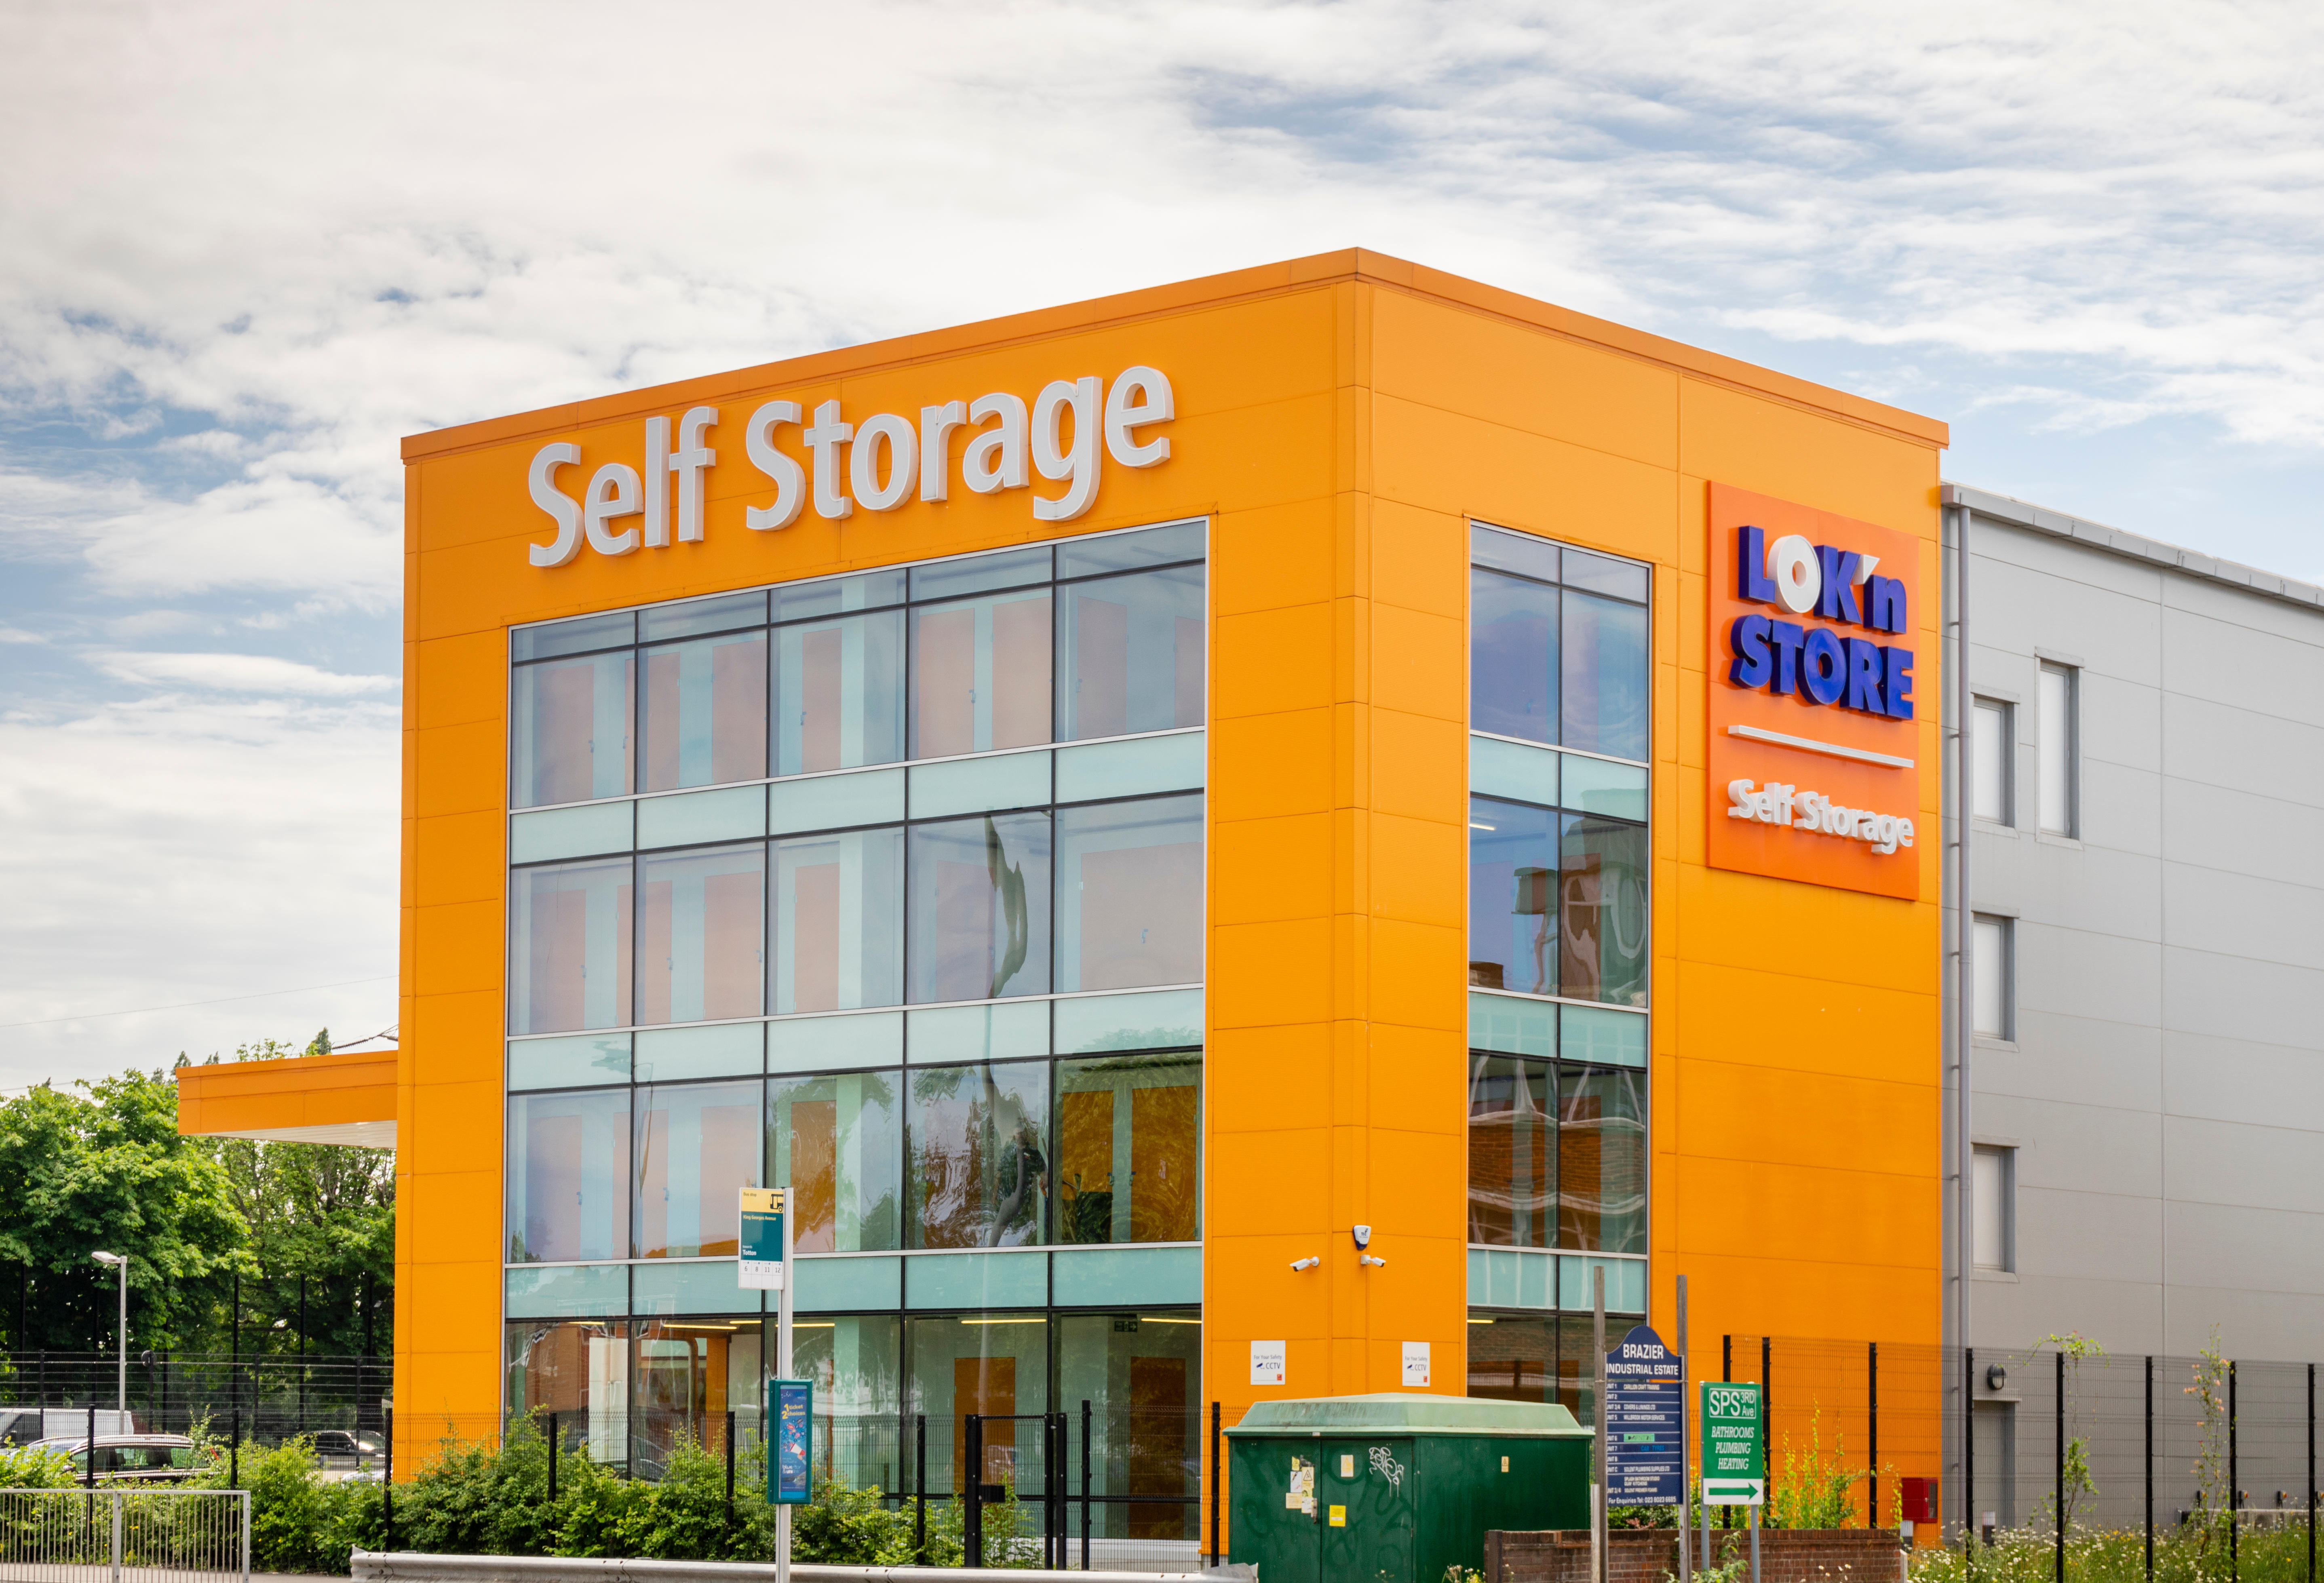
(1363, 1236)
(1309, 1263)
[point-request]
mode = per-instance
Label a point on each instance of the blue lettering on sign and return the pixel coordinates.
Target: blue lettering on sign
(1817, 665)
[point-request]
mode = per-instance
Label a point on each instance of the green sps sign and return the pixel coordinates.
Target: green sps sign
(1734, 1446)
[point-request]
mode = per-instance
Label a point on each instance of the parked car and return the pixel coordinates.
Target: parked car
(131, 1459)
(341, 1443)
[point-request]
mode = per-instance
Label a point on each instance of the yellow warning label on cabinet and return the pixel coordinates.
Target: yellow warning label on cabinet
(1339, 1516)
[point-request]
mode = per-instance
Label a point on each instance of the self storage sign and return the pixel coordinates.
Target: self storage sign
(1815, 697)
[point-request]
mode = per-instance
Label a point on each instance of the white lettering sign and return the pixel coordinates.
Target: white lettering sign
(878, 464)
(1811, 813)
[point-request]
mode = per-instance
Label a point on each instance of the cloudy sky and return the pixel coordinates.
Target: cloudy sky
(245, 246)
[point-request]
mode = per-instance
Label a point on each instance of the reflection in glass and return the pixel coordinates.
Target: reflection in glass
(1512, 915)
(690, 1374)
(859, 1399)
(1127, 1132)
(835, 595)
(699, 935)
(579, 1371)
(839, 1142)
(978, 1170)
(981, 674)
(1141, 1373)
(1129, 654)
(1604, 703)
(839, 692)
(1130, 894)
(980, 901)
(1512, 657)
(837, 921)
(997, 1366)
(569, 733)
(1512, 1151)
(697, 1147)
(1512, 1359)
(1120, 552)
(1601, 1161)
(569, 947)
(1601, 927)
(705, 712)
(567, 1176)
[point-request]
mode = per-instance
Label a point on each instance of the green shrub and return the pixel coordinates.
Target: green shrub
(24, 1467)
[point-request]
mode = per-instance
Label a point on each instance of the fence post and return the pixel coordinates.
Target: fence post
(555, 1445)
(730, 1468)
(88, 1461)
(1872, 1393)
(234, 1453)
(387, 1478)
(920, 1486)
(1969, 1451)
(1085, 1483)
(2150, 1466)
(1215, 1489)
(2235, 1491)
(2311, 1473)
(2060, 1514)
(971, 1524)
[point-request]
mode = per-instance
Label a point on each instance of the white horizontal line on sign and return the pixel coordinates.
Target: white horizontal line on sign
(1809, 744)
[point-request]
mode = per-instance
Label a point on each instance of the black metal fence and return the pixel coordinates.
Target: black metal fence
(276, 1396)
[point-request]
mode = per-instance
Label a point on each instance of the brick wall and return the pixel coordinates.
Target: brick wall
(1643, 1555)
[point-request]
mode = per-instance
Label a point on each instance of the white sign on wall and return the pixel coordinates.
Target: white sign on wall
(1267, 1363)
(1416, 1365)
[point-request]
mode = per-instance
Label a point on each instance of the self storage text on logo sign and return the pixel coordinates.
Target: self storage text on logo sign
(1815, 761)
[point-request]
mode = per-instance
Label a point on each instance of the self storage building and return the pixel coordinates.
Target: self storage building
(1107, 802)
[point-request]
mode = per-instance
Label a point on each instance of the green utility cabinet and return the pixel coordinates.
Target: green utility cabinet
(1397, 1486)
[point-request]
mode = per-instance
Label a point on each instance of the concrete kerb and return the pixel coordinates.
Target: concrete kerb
(408, 1567)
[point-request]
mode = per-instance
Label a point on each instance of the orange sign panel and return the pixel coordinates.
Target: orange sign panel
(1813, 750)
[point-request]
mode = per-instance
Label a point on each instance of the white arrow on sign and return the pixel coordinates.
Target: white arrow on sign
(1734, 1492)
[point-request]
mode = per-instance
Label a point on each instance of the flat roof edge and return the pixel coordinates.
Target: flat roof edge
(1323, 269)
(2136, 546)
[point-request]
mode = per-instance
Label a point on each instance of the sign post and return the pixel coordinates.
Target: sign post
(1734, 1455)
(764, 1265)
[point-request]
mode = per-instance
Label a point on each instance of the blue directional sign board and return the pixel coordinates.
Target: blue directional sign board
(1645, 1423)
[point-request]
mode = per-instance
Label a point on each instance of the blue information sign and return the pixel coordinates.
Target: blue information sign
(1645, 1423)
(790, 1469)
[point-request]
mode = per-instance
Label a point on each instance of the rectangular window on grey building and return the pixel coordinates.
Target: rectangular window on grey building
(2060, 754)
(1993, 969)
(1993, 746)
(1993, 1214)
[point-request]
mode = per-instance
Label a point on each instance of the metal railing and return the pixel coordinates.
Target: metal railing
(160, 1535)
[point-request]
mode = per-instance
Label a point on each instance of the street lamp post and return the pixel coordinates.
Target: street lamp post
(119, 1261)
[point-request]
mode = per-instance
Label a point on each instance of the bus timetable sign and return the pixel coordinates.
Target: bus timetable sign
(1734, 1448)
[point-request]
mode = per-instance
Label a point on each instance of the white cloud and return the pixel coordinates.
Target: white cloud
(241, 673)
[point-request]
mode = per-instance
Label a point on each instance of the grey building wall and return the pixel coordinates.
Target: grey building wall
(2164, 1091)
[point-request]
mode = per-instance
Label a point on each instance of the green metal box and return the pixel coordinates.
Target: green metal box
(1397, 1486)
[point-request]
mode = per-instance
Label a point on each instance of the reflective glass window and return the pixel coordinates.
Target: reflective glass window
(569, 933)
(857, 1368)
(1512, 1151)
(567, 1176)
(1142, 1375)
(1601, 928)
(979, 907)
(699, 945)
(981, 674)
(839, 692)
(705, 711)
(1129, 654)
(579, 1371)
(727, 613)
(1601, 1160)
(838, 921)
(1513, 657)
(569, 730)
(1512, 897)
(992, 1364)
(698, 1147)
(838, 1141)
(1120, 552)
(1603, 695)
(1129, 1128)
(1009, 568)
(1130, 894)
(686, 1378)
(978, 1171)
(1600, 573)
(1511, 1359)
(836, 595)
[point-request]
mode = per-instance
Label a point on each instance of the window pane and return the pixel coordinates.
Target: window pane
(574, 636)
(839, 1142)
(838, 921)
(569, 947)
(1602, 911)
(1512, 1151)
(859, 1399)
(1512, 657)
(1128, 1130)
(980, 900)
(570, 734)
(981, 674)
(684, 1373)
(1129, 651)
(1513, 552)
(1512, 914)
(1599, 574)
(839, 692)
(1142, 1376)
(697, 616)
(1513, 1359)
(978, 1171)
(2058, 750)
(1990, 749)
(1603, 704)
(1118, 552)
(1989, 1209)
(1601, 1161)
(1990, 971)
(971, 573)
(999, 1369)
(834, 596)
(699, 945)
(1130, 894)
(698, 1147)
(705, 714)
(580, 1371)
(568, 1176)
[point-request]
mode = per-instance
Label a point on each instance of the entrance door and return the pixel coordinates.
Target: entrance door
(1159, 1465)
(1364, 1489)
(986, 1385)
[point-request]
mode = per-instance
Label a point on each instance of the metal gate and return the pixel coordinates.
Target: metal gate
(124, 1535)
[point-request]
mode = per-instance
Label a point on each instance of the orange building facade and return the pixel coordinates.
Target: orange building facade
(1653, 1042)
